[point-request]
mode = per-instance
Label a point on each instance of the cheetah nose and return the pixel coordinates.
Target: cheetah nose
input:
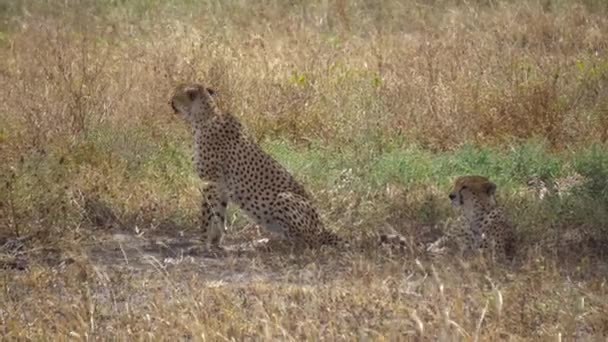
(452, 196)
(173, 106)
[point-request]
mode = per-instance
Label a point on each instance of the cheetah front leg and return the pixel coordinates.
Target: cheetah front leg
(457, 237)
(439, 246)
(444, 242)
(213, 214)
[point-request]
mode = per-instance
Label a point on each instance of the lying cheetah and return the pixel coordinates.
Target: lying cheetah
(544, 187)
(483, 226)
(236, 169)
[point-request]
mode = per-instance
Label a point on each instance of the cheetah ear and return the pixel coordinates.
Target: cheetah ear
(211, 91)
(490, 188)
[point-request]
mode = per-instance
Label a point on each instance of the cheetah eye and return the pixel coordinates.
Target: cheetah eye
(191, 94)
(464, 187)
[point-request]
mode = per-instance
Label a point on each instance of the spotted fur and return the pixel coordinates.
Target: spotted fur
(483, 225)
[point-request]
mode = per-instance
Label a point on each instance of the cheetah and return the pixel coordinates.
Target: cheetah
(543, 187)
(483, 225)
(235, 169)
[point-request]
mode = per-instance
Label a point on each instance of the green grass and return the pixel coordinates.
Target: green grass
(117, 158)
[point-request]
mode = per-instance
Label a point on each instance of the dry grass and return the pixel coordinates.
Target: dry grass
(313, 296)
(309, 72)
(375, 106)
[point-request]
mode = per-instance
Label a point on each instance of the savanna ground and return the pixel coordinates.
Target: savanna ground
(375, 106)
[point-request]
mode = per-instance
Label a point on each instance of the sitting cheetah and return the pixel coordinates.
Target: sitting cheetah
(236, 169)
(483, 225)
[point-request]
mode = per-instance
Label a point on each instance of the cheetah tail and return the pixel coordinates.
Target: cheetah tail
(393, 240)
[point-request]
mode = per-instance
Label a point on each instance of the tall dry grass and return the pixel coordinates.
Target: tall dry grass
(439, 74)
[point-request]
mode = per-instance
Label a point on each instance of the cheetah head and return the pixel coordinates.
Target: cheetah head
(470, 192)
(194, 102)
